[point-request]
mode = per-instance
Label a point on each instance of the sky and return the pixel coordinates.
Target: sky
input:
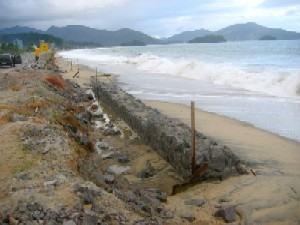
(159, 18)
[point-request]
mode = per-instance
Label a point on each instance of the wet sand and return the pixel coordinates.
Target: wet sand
(270, 197)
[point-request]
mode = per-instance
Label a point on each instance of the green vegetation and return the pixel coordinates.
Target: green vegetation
(267, 37)
(208, 39)
(9, 48)
(31, 38)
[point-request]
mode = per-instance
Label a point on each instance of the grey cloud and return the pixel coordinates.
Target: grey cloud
(155, 17)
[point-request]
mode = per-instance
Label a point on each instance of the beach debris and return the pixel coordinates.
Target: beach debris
(253, 172)
(241, 168)
(293, 189)
(227, 213)
(90, 94)
(148, 170)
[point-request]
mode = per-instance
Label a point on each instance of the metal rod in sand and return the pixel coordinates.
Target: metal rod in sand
(193, 135)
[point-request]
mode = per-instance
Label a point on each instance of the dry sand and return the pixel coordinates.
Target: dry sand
(271, 197)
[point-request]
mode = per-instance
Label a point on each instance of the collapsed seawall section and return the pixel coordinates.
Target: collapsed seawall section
(169, 137)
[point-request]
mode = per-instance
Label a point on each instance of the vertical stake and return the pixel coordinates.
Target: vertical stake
(96, 83)
(96, 75)
(71, 65)
(193, 135)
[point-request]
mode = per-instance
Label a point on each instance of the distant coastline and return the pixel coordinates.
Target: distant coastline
(78, 36)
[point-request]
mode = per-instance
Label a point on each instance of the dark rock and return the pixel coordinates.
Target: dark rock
(156, 193)
(84, 117)
(195, 202)
(111, 131)
(188, 216)
(88, 192)
(102, 145)
(227, 213)
(147, 171)
(109, 179)
(123, 158)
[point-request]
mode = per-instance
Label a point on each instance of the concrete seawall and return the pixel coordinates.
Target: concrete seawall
(169, 137)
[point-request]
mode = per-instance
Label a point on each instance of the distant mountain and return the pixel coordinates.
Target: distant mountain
(188, 35)
(239, 32)
(78, 33)
(253, 31)
(19, 29)
(209, 39)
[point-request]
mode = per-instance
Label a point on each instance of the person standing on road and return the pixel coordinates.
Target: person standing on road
(37, 54)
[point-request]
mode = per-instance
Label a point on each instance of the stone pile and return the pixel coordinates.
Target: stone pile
(169, 137)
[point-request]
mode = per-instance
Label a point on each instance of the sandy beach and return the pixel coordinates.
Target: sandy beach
(271, 196)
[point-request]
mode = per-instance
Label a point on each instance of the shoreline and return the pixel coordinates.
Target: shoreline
(234, 133)
(88, 72)
(269, 197)
(214, 114)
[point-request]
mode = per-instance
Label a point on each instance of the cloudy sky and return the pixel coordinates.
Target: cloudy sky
(159, 18)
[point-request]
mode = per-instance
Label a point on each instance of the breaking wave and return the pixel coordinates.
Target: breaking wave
(282, 82)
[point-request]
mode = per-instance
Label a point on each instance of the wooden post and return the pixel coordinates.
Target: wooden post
(96, 76)
(193, 136)
(77, 73)
(71, 65)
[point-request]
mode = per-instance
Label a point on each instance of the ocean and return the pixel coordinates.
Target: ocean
(257, 82)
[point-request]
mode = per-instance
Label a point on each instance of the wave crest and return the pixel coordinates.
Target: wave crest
(279, 82)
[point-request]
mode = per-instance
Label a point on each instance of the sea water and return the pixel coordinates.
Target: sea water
(252, 81)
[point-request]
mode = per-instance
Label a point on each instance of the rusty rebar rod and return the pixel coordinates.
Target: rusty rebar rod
(193, 136)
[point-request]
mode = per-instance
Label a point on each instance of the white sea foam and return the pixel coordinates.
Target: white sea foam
(277, 82)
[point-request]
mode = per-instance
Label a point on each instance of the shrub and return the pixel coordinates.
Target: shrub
(56, 81)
